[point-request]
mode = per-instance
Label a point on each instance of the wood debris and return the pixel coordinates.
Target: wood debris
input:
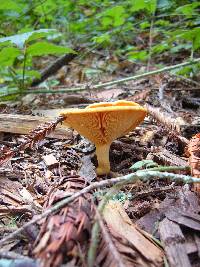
(23, 124)
(125, 232)
(194, 160)
(173, 240)
(50, 161)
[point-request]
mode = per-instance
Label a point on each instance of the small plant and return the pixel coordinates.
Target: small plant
(141, 31)
(16, 57)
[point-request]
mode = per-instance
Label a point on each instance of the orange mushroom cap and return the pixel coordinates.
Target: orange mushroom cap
(102, 123)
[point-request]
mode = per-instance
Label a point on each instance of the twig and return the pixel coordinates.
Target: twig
(32, 138)
(102, 85)
(54, 67)
(109, 241)
(169, 123)
(166, 120)
(130, 178)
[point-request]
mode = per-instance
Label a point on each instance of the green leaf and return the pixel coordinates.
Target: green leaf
(193, 36)
(114, 16)
(41, 34)
(188, 10)
(159, 48)
(143, 164)
(138, 5)
(28, 74)
(8, 55)
(149, 5)
(45, 48)
(144, 25)
(138, 55)
(185, 71)
(162, 22)
(20, 39)
(152, 5)
(104, 38)
(9, 5)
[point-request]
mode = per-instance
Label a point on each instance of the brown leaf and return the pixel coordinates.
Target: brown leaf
(131, 243)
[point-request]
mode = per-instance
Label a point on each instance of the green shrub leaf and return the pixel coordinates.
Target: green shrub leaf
(45, 48)
(20, 39)
(8, 55)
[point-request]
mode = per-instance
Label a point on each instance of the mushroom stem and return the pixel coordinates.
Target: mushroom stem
(102, 152)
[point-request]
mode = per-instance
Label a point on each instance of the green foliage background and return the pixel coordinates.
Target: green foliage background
(136, 30)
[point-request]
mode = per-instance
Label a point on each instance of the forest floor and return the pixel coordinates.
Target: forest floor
(148, 223)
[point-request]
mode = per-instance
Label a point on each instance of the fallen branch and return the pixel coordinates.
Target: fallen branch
(102, 85)
(31, 139)
(54, 67)
(194, 160)
(23, 124)
(96, 227)
(169, 123)
(130, 178)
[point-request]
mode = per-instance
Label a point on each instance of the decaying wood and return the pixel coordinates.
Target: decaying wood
(22, 124)
(165, 157)
(119, 222)
(54, 67)
(130, 178)
(33, 137)
(50, 160)
(194, 160)
(164, 118)
(173, 240)
(108, 240)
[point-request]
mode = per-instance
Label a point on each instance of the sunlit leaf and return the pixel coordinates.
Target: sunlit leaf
(188, 9)
(137, 55)
(159, 48)
(149, 5)
(9, 5)
(104, 38)
(192, 35)
(114, 16)
(144, 25)
(45, 48)
(138, 5)
(8, 55)
(20, 39)
(27, 74)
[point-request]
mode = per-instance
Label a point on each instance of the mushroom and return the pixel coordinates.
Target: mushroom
(102, 123)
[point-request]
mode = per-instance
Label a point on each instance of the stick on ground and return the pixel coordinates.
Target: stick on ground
(130, 178)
